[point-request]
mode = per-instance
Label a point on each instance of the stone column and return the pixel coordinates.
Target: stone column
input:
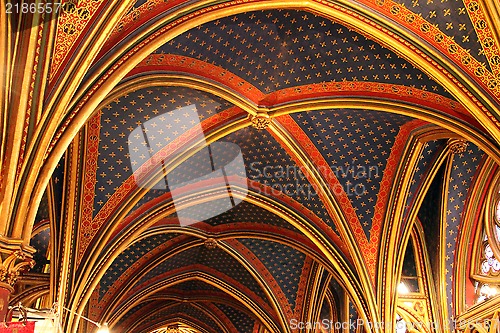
(12, 263)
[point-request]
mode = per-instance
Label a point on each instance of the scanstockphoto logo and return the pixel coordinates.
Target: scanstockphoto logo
(327, 325)
(397, 326)
(288, 179)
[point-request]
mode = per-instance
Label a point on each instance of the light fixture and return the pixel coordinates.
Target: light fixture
(403, 288)
(50, 320)
(103, 328)
(488, 291)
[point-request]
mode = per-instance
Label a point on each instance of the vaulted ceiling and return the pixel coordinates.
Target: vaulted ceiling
(226, 165)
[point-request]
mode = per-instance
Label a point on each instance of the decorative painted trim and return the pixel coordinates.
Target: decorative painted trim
(87, 228)
(485, 34)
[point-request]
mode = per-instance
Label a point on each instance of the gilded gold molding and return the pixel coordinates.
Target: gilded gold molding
(459, 128)
(481, 310)
(490, 220)
(472, 233)
(280, 210)
(181, 80)
(484, 16)
(487, 321)
(441, 278)
(211, 280)
(397, 239)
(413, 313)
(429, 287)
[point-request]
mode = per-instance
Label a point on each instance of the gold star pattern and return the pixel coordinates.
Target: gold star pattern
(451, 17)
(269, 164)
(279, 49)
(162, 109)
(240, 320)
(129, 256)
(461, 177)
(215, 259)
(356, 145)
(283, 262)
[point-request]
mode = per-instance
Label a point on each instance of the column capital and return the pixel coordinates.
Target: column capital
(12, 263)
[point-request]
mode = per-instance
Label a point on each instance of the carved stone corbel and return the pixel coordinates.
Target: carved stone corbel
(457, 146)
(11, 267)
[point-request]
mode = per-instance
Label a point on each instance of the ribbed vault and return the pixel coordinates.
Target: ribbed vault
(240, 166)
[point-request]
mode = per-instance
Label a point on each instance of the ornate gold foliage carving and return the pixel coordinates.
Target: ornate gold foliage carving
(11, 267)
(260, 121)
(172, 329)
(210, 243)
(457, 146)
